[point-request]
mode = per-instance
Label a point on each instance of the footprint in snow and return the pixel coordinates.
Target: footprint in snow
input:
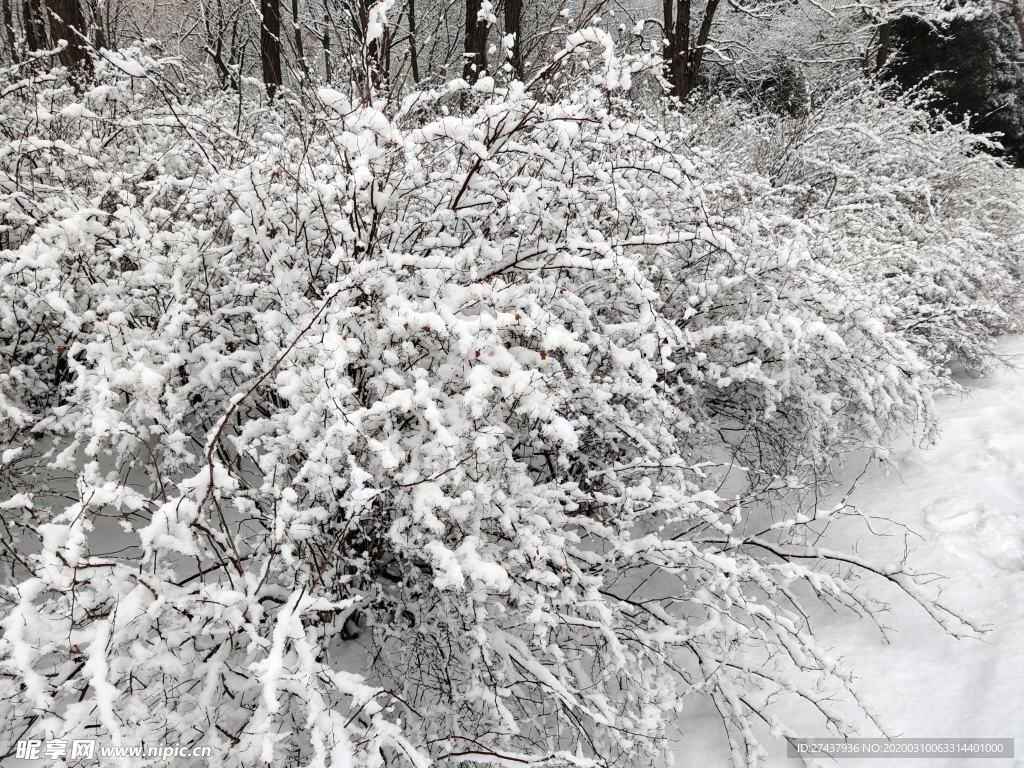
(953, 514)
(1000, 539)
(990, 458)
(993, 532)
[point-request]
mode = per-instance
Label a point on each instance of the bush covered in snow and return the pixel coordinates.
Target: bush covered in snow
(467, 384)
(905, 203)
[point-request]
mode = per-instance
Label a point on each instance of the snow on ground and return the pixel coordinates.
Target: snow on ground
(965, 497)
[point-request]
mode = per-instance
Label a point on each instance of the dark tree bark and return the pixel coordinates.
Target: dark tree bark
(217, 54)
(9, 30)
(413, 52)
(67, 22)
(683, 55)
(884, 33)
(378, 51)
(677, 33)
(326, 43)
(514, 27)
(98, 28)
(34, 15)
(476, 42)
(270, 45)
(385, 57)
(299, 53)
(215, 47)
(695, 55)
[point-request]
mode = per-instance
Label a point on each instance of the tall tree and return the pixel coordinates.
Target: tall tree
(34, 15)
(99, 30)
(683, 54)
(9, 30)
(373, 32)
(325, 43)
(413, 50)
(972, 66)
(216, 29)
(477, 26)
(884, 42)
(270, 45)
(67, 22)
(300, 54)
(514, 27)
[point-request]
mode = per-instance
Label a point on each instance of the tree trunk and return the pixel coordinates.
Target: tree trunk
(682, 56)
(476, 42)
(695, 55)
(883, 44)
(677, 51)
(270, 45)
(67, 22)
(299, 53)
(670, 52)
(99, 29)
(34, 14)
(326, 44)
(215, 45)
(12, 45)
(414, 57)
(378, 50)
(514, 27)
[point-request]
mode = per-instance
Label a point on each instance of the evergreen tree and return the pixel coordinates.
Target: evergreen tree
(975, 66)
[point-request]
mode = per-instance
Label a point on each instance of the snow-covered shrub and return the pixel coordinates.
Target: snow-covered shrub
(453, 382)
(905, 203)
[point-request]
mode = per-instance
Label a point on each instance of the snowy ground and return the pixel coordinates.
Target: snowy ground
(965, 496)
